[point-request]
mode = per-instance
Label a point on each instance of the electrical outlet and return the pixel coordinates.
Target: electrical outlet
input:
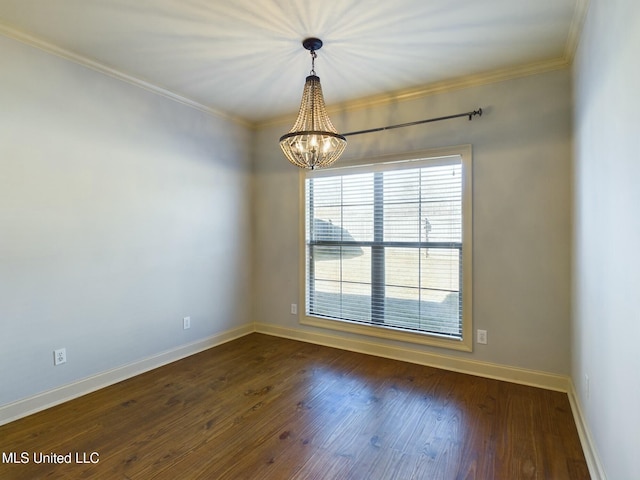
(186, 323)
(294, 309)
(482, 337)
(60, 356)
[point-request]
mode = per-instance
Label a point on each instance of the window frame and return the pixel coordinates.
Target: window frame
(425, 157)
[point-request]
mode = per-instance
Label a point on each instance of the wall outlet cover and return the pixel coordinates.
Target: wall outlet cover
(60, 356)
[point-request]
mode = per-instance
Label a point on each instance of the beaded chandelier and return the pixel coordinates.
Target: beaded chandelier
(313, 142)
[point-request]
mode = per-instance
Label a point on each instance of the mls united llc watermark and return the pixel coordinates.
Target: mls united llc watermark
(40, 457)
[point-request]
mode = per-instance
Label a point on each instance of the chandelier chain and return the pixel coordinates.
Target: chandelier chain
(313, 62)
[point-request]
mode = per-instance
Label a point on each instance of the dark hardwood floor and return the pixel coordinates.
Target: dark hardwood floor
(263, 407)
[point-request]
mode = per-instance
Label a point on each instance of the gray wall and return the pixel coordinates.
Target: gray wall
(607, 227)
(522, 210)
(120, 212)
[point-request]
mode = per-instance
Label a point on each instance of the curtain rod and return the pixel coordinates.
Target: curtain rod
(466, 114)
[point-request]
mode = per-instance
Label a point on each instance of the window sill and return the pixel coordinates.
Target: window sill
(389, 333)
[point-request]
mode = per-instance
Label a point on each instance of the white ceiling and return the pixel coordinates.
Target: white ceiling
(245, 58)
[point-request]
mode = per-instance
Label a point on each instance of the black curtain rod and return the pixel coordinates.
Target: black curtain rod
(466, 114)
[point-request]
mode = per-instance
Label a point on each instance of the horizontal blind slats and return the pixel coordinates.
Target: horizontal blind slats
(411, 287)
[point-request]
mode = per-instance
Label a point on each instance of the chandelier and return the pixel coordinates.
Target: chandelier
(313, 142)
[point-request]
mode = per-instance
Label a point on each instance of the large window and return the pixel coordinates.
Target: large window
(386, 248)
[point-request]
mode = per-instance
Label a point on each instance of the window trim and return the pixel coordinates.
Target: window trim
(387, 332)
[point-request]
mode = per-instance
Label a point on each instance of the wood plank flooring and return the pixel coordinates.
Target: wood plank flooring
(263, 407)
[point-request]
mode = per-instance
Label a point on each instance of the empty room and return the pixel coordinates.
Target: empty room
(282, 239)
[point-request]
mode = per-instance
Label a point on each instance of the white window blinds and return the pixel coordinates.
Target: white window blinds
(384, 245)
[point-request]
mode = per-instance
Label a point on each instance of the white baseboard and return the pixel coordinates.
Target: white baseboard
(42, 401)
(522, 376)
(534, 378)
(588, 447)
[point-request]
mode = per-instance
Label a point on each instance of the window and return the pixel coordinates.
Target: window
(387, 249)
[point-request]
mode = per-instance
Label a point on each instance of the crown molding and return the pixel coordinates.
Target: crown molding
(25, 38)
(575, 29)
(445, 86)
(449, 85)
(459, 83)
